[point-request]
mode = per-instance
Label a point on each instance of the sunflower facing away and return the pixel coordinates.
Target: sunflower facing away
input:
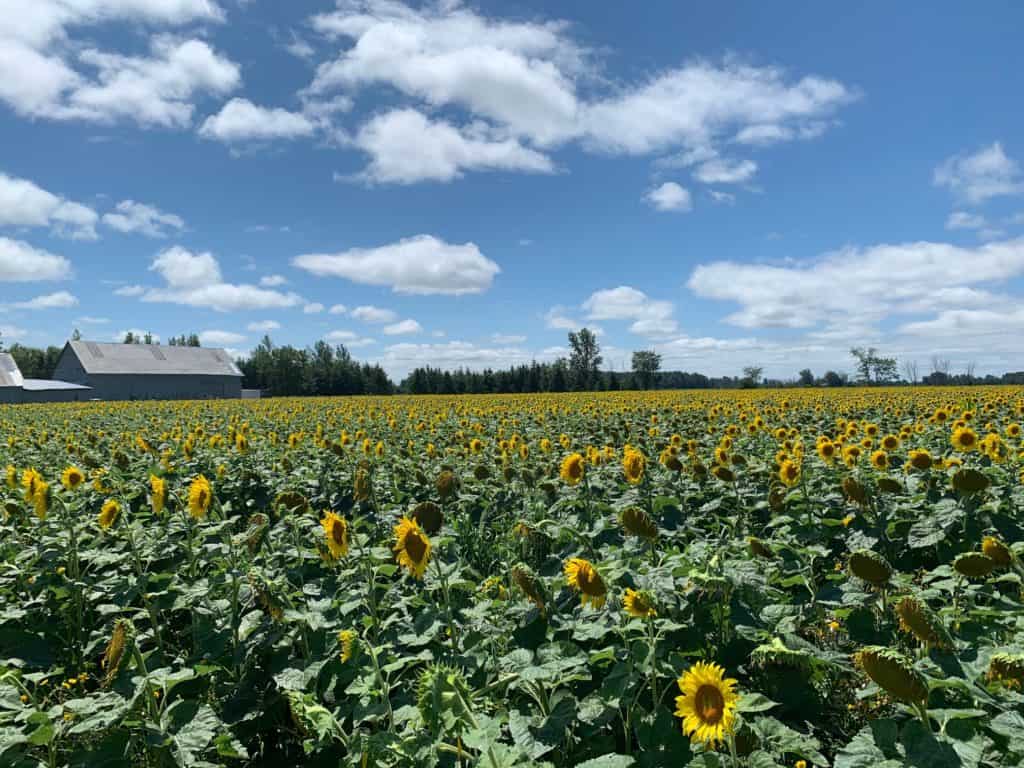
(412, 547)
(200, 494)
(708, 703)
(584, 578)
(158, 493)
(336, 533)
(572, 469)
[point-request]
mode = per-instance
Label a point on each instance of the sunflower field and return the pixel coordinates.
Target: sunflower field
(757, 578)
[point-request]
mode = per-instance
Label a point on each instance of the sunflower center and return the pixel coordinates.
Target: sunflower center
(415, 547)
(710, 704)
(201, 498)
(338, 532)
(590, 583)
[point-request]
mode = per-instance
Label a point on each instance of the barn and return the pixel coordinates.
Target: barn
(149, 371)
(15, 388)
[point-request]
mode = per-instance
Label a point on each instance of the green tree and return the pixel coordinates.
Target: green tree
(584, 359)
(646, 364)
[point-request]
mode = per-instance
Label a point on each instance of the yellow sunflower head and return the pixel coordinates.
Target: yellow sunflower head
(633, 465)
(964, 439)
(572, 469)
(109, 514)
(348, 641)
(72, 477)
(880, 460)
(336, 533)
(789, 472)
(412, 547)
(639, 605)
(200, 495)
(584, 578)
(158, 493)
(1001, 554)
(708, 702)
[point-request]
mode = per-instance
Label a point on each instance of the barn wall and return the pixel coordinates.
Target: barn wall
(69, 368)
(129, 386)
(10, 394)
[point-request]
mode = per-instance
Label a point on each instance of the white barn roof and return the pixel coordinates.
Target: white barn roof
(10, 374)
(99, 358)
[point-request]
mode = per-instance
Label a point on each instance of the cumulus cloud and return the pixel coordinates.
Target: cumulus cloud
(406, 147)
(129, 290)
(723, 171)
(195, 280)
(25, 204)
(669, 197)
(220, 338)
(273, 281)
(337, 309)
(313, 308)
(348, 338)
(263, 326)
(371, 314)
(866, 284)
(402, 327)
(20, 263)
(650, 317)
(416, 265)
(58, 300)
(241, 120)
(975, 177)
(133, 217)
(964, 220)
(507, 338)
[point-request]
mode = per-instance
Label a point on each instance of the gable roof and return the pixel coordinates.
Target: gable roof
(10, 374)
(99, 357)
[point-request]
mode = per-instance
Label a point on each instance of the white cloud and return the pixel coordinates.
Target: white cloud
(723, 171)
(20, 263)
(195, 280)
(348, 338)
(129, 290)
(406, 147)
(24, 204)
(418, 265)
(650, 317)
(862, 284)
(976, 177)
(133, 217)
(273, 281)
(313, 308)
(722, 197)
(337, 309)
(510, 338)
(241, 120)
(58, 300)
(370, 314)
(963, 220)
(8, 332)
(220, 338)
(263, 326)
(669, 197)
(90, 320)
(403, 327)
(557, 318)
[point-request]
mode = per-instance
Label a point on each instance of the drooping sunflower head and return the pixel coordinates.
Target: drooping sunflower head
(1001, 554)
(636, 522)
(708, 702)
(429, 515)
(1008, 669)
(974, 565)
(447, 484)
(893, 672)
(573, 468)
(362, 485)
(72, 477)
(919, 620)
(200, 496)
(633, 465)
(348, 642)
(158, 493)
(528, 583)
(122, 635)
(639, 604)
(109, 514)
(584, 578)
(336, 534)
(870, 567)
(412, 547)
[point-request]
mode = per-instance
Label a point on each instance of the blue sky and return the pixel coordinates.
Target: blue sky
(460, 184)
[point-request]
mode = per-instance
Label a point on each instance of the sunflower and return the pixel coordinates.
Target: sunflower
(412, 547)
(917, 619)
(639, 605)
(789, 473)
(41, 499)
(72, 477)
(827, 451)
(527, 581)
(336, 533)
(891, 442)
(347, 641)
(637, 522)
(633, 465)
(920, 459)
(109, 514)
(12, 476)
(880, 460)
(708, 703)
(573, 468)
(200, 494)
(584, 578)
(1000, 554)
(29, 480)
(158, 493)
(964, 439)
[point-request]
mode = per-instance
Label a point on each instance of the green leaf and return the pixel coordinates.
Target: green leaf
(755, 702)
(608, 761)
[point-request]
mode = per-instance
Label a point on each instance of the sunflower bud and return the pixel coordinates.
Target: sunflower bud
(894, 673)
(444, 700)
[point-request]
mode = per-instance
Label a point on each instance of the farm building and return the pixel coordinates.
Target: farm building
(149, 371)
(15, 388)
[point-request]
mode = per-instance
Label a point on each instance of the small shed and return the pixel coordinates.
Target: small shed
(15, 388)
(149, 371)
